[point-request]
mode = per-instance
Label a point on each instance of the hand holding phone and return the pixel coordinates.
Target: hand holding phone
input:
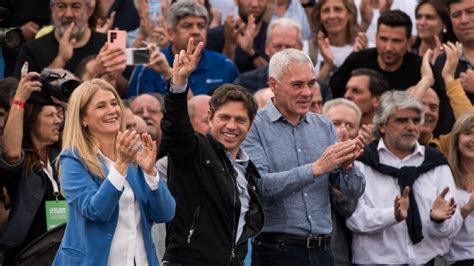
(117, 38)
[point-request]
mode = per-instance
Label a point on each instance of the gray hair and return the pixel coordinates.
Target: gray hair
(390, 102)
(285, 22)
(279, 61)
(341, 101)
(87, 2)
(183, 9)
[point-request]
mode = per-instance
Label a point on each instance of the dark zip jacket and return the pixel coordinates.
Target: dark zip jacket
(203, 182)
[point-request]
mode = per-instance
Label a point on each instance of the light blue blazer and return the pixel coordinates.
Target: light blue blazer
(93, 212)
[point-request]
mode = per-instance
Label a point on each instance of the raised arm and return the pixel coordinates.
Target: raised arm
(427, 78)
(13, 130)
(178, 134)
(454, 89)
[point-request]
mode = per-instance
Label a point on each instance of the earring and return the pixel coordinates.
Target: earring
(84, 124)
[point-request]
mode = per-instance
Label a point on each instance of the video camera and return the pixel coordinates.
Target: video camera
(53, 84)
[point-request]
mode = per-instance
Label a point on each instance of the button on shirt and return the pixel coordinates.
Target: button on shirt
(240, 164)
(127, 247)
(378, 237)
(295, 201)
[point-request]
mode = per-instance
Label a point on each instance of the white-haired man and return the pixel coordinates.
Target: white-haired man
(403, 217)
(295, 169)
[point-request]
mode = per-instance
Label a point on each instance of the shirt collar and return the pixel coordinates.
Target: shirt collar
(419, 149)
(242, 157)
(275, 115)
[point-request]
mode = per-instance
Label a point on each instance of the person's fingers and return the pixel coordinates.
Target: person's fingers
(406, 192)
(190, 48)
(68, 32)
(198, 50)
(443, 193)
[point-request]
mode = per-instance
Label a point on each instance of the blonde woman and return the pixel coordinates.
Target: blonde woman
(461, 159)
(109, 180)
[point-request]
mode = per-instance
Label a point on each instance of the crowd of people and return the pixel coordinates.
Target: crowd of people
(284, 132)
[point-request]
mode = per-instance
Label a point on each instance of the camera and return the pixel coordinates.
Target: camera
(11, 38)
(53, 84)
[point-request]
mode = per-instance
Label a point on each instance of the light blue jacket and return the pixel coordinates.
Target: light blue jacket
(93, 212)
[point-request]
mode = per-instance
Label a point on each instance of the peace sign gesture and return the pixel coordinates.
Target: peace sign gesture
(185, 62)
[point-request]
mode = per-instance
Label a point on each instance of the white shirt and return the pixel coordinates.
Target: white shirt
(240, 165)
(127, 247)
(378, 237)
(462, 246)
(339, 53)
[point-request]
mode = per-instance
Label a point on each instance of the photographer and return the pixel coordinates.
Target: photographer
(30, 146)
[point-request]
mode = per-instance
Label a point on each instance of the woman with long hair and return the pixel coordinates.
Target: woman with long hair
(335, 25)
(30, 146)
(461, 159)
(110, 182)
(433, 26)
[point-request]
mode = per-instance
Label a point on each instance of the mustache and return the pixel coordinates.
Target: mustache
(409, 134)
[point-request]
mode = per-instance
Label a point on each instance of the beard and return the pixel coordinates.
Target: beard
(245, 17)
(62, 25)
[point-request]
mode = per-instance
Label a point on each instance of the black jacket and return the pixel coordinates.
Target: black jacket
(203, 182)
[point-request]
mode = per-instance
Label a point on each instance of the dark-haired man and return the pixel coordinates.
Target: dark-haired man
(186, 19)
(364, 88)
(218, 207)
(462, 19)
(391, 57)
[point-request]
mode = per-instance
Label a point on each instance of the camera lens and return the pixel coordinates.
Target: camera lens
(11, 38)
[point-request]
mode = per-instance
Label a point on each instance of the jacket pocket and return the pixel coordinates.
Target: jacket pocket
(194, 224)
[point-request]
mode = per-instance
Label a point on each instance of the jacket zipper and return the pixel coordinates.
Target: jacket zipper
(194, 224)
(232, 251)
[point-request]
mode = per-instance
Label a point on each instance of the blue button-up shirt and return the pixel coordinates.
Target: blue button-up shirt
(295, 201)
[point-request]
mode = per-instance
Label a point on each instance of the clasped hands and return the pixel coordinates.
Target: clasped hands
(341, 155)
(131, 146)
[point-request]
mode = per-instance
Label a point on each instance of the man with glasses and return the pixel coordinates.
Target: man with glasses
(70, 42)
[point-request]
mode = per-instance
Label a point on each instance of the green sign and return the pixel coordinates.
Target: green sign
(56, 213)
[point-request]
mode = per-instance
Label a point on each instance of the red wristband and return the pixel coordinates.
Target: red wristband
(19, 104)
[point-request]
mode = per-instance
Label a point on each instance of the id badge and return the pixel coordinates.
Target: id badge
(56, 213)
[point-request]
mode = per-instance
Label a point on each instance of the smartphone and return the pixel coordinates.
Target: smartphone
(137, 56)
(117, 38)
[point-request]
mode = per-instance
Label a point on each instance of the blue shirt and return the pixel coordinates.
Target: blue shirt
(296, 202)
(213, 70)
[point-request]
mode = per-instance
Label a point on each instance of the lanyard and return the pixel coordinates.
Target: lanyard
(49, 172)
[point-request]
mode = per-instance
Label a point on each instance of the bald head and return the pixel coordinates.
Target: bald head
(198, 109)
